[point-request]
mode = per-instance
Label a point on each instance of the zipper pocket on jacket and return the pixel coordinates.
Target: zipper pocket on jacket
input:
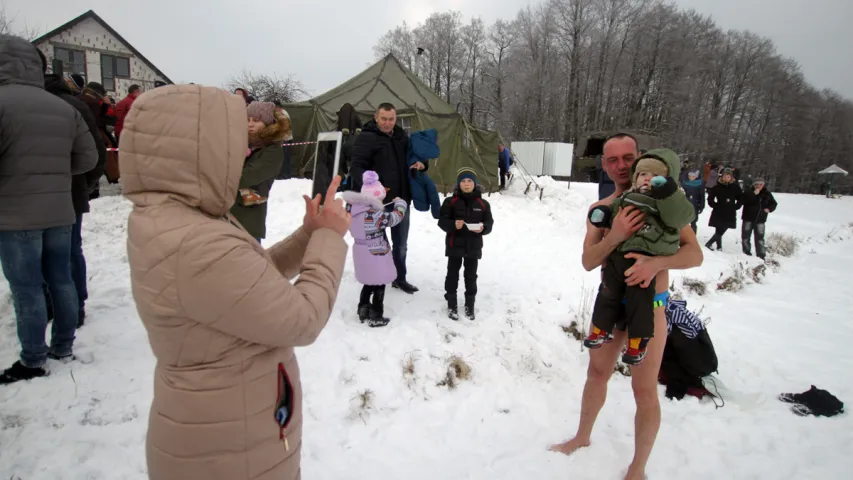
(283, 412)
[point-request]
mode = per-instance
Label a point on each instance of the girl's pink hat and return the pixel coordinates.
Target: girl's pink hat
(371, 186)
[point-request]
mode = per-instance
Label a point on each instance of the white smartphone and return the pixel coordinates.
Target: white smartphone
(323, 171)
(474, 226)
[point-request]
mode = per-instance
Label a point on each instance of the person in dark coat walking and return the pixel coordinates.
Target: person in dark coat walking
(725, 200)
(758, 202)
(382, 146)
(81, 187)
(466, 217)
(695, 191)
(44, 142)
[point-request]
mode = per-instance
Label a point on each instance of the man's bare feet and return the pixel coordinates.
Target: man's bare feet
(569, 447)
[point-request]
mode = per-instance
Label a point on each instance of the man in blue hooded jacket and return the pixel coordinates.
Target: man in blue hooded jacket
(504, 162)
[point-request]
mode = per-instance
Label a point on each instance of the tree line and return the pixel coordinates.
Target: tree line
(565, 68)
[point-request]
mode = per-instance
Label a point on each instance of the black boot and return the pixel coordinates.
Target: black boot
(469, 308)
(377, 309)
(18, 372)
(404, 286)
(364, 304)
(452, 308)
(363, 312)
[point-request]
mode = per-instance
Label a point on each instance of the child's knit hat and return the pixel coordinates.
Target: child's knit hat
(263, 111)
(466, 172)
(371, 186)
(650, 165)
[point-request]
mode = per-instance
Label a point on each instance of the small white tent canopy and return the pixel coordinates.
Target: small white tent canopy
(832, 170)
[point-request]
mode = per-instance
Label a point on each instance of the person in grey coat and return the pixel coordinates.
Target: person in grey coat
(44, 141)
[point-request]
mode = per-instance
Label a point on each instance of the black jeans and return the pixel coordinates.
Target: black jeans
(639, 308)
(451, 282)
(503, 172)
(717, 238)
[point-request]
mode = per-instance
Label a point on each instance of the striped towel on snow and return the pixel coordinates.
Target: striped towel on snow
(686, 321)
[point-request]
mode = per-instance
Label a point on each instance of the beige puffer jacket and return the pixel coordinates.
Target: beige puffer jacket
(222, 317)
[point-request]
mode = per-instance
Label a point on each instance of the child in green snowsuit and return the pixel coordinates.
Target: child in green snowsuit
(667, 210)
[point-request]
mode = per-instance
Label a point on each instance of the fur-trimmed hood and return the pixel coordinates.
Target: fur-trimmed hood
(278, 132)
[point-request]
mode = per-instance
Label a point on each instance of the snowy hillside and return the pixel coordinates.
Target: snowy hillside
(377, 401)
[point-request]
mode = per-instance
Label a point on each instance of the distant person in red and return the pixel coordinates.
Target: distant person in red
(124, 106)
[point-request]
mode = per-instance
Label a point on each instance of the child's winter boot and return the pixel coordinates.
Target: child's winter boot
(636, 351)
(469, 308)
(452, 308)
(597, 338)
(364, 304)
(377, 310)
(363, 312)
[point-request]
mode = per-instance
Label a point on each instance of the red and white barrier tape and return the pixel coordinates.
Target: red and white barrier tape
(283, 145)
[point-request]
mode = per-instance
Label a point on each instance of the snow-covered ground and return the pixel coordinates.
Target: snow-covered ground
(87, 420)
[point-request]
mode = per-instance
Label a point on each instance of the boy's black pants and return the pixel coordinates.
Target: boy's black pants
(639, 312)
(451, 282)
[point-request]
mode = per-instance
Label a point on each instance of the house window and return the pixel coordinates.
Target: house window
(73, 61)
(112, 68)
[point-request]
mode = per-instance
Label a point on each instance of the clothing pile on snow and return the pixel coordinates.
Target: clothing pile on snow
(815, 401)
(689, 354)
(423, 147)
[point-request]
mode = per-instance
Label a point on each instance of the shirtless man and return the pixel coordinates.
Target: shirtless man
(620, 151)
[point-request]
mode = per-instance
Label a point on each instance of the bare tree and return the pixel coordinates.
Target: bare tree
(400, 42)
(268, 87)
(565, 68)
(473, 37)
(7, 26)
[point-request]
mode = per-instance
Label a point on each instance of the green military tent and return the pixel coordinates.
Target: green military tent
(418, 108)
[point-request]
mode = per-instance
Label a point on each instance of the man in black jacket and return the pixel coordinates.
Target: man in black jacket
(81, 185)
(758, 202)
(382, 146)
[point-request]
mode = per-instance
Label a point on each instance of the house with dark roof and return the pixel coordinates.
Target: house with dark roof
(89, 46)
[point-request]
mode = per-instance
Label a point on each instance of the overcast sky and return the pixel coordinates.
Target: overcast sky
(325, 42)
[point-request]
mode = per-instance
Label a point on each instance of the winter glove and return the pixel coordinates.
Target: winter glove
(600, 216)
(663, 187)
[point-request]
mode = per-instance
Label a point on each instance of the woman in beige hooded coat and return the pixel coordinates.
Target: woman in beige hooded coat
(221, 315)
